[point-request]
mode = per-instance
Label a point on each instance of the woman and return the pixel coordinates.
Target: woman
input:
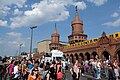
(116, 69)
(52, 72)
(75, 71)
(59, 70)
(34, 75)
(11, 69)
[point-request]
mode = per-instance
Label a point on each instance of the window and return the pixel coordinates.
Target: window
(90, 40)
(116, 35)
(95, 40)
(75, 36)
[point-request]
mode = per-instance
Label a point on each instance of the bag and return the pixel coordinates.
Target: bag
(13, 75)
(59, 75)
(74, 75)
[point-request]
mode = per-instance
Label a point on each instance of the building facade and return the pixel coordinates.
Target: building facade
(79, 48)
(43, 46)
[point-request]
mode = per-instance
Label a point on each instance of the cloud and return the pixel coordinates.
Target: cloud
(45, 11)
(81, 5)
(98, 2)
(17, 12)
(113, 23)
(3, 23)
(115, 14)
(13, 42)
(15, 34)
(5, 5)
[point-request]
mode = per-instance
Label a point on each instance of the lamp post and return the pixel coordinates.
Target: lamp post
(20, 48)
(31, 38)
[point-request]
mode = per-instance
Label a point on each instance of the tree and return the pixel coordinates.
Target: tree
(23, 53)
(0, 58)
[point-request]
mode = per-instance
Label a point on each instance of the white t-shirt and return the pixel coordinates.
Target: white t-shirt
(63, 63)
(98, 64)
(16, 71)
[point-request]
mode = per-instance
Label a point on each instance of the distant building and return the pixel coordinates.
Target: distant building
(43, 46)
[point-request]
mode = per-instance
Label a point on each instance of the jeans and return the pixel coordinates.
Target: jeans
(96, 73)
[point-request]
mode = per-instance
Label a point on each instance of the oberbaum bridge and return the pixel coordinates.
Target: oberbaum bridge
(105, 47)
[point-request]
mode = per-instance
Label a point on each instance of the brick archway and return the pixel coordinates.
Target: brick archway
(76, 56)
(71, 58)
(68, 55)
(118, 55)
(106, 55)
(87, 56)
(94, 55)
(81, 56)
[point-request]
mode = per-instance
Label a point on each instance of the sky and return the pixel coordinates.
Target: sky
(17, 16)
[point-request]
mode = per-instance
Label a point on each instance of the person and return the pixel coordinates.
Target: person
(111, 74)
(11, 68)
(116, 69)
(75, 70)
(63, 64)
(35, 72)
(24, 72)
(99, 69)
(20, 68)
(1, 71)
(16, 71)
(52, 71)
(59, 70)
(31, 65)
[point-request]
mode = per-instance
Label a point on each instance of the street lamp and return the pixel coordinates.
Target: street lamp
(31, 38)
(20, 48)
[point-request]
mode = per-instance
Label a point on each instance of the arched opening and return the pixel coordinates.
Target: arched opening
(67, 55)
(76, 55)
(81, 56)
(87, 56)
(118, 55)
(94, 55)
(106, 55)
(71, 58)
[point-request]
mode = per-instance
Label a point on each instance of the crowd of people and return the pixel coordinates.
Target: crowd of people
(33, 69)
(36, 69)
(97, 68)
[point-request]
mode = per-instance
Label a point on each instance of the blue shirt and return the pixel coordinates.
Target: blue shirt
(31, 66)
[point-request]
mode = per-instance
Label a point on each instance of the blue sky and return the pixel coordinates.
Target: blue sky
(17, 16)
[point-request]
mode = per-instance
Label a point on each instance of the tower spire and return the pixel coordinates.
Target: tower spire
(76, 18)
(55, 30)
(76, 8)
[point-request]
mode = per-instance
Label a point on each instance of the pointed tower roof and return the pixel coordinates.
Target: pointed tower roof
(55, 31)
(76, 18)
